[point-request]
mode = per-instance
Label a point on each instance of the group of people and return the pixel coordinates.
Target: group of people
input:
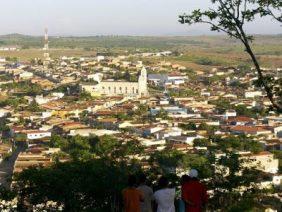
(141, 198)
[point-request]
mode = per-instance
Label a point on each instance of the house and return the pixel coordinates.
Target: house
(173, 111)
(147, 131)
(176, 79)
(272, 144)
(183, 139)
(263, 161)
(106, 123)
(167, 79)
(240, 120)
(229, 113)
(278, 131)
(25, 75)
(88, 132)
(66, 127)
(4, 112)
(253, 94)
(5, 149)
(34, 157)
(150, 142)
(2, 60)
(36, 134)
(163, 134)
(250, 130)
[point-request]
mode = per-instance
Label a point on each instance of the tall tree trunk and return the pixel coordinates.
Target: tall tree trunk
(268, 90)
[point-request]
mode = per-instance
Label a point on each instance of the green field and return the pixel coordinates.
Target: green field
(198, 51)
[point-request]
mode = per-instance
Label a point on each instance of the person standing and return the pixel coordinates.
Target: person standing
(132, 196)
(181, 204)
(194, 193)
(147, 191)
(165, 196)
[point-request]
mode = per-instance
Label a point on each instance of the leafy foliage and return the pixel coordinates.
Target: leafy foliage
(230, 17)
(169, 160)
(23, 87)
(78, 186)
(239, 143)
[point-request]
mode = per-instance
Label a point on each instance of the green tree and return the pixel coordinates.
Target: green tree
(201, 142)
(85, 96)
(238, 143)
(162, 114)
(58, 141)
(34, 107)
(221, 105)
(210, 129)
(6, 194)
(229, 175)
(79, 148)
(278, 155)
(242, 110)
(93, 185)
(271, 8)
(230, 17)
(188, 126)
(170, 160)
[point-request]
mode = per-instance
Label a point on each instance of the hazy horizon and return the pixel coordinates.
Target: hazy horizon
(121, 35)
(111, 17)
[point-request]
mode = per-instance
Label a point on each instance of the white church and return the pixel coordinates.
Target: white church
(115, 88)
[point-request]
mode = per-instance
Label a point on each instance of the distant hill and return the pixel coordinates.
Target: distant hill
(150, 42)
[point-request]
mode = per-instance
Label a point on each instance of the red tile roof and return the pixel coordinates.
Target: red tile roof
(247, 129)
(240, 119)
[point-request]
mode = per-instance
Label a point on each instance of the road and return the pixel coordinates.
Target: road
(7, 167)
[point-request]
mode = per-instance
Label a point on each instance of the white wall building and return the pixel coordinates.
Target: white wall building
(253, 94)
(36, 134)
(114, 88)
(263, 161)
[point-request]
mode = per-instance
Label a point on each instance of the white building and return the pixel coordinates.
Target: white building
(253, 94)
(25, 75)
(164, 79)
(263, 161)
(4, 112)
(114, 88)
(36, 134)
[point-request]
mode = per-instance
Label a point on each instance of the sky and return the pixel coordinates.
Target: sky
(109, 17)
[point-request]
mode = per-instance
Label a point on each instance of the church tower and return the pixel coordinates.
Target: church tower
(142, 83)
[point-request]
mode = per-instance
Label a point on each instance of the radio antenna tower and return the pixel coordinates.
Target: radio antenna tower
(46, 41)
(46, 49)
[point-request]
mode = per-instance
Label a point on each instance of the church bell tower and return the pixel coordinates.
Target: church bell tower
(142, 83)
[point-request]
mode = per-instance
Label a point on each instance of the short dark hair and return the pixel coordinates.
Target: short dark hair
(142, 178)
(185, 178)
(131, 180)
(163, 182)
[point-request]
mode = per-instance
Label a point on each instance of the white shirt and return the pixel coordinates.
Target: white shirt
(165, 199)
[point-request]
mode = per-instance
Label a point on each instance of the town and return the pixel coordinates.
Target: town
(165, 115)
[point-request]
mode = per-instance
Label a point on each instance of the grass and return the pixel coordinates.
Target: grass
(200, 53)
(28, 54)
